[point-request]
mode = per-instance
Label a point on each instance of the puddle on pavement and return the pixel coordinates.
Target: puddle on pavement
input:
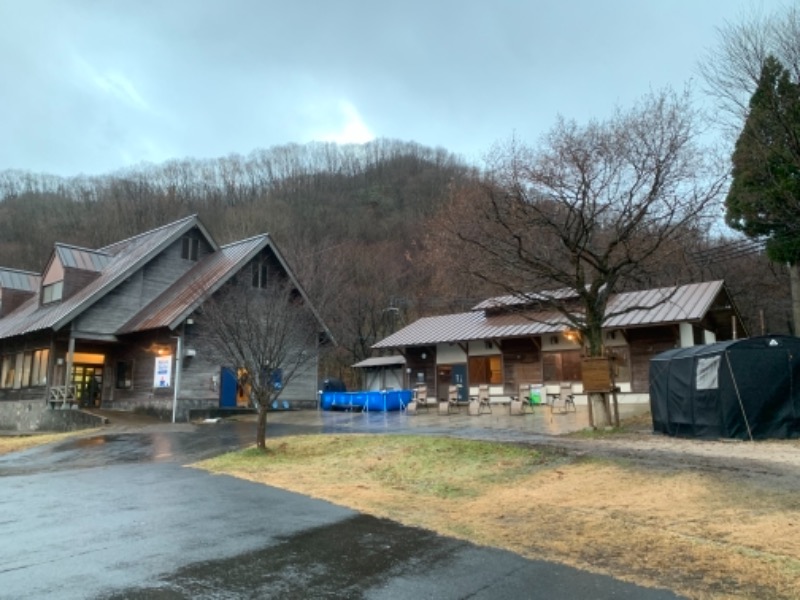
(342, 560)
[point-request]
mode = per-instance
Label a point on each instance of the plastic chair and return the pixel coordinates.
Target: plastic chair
(564, 402)
(421, 397)
(452, 400)
(484, 405)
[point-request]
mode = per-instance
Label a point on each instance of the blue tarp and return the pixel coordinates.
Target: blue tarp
(367, 401)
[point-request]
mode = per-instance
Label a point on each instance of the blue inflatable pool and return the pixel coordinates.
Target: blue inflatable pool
(366, 401)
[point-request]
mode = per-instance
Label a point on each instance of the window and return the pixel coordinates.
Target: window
(24, 369)
(27, 360)
(124, 375)
(485, 369)
(52, 292)
(39, 368)
(189, 248)
(7, 371)
(260, 274)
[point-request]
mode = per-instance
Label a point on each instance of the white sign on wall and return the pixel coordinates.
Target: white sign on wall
(163, 373)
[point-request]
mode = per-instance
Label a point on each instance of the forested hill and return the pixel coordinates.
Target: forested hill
(321, 192)
(351, 220)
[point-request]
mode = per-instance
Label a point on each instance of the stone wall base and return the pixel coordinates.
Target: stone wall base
(37, 416)
(161, 408)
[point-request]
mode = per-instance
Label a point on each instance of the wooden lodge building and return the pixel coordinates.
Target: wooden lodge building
(510, 341)
(121, 326)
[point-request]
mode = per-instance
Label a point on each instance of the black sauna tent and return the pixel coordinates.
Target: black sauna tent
(745, 389)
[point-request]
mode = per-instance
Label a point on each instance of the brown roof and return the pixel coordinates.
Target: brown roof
(194, 286)
(632, 309)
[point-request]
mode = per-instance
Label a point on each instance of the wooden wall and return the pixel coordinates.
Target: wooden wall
(522, 363)
(645, 343)
(118, 306)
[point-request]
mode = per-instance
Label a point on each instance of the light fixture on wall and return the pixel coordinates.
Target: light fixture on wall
(423, 356)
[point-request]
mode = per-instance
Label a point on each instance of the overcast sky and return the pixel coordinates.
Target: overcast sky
(92, 86)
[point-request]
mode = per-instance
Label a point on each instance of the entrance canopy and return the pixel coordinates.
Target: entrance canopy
(745, 389)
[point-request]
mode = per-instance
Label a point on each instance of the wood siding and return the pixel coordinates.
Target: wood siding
(522, 363)
(12, 299)
(645, 343)
(75, 280)
(116, 308)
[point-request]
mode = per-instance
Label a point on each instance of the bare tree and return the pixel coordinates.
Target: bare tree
(590, 210)
(269, 335)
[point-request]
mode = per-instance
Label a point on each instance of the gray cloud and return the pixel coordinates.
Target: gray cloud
(92, 86)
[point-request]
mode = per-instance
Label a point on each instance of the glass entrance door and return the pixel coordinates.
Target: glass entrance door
(88, 382)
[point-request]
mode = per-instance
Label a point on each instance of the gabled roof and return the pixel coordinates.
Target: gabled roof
(24, 281)
(202, 280)
(124, 258)
(663, 305)
(185, 295)
(686, 303)
(470, 326)
(118, 261)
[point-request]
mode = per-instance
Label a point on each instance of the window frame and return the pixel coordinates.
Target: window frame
(126, 382)
(190, 248)
(260, 274)
(53, 292)
(8, 371)
(41, 362)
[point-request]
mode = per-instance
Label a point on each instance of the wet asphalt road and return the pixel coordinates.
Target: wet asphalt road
(117, 515)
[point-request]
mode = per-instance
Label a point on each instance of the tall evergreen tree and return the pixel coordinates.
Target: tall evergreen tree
(764, 197)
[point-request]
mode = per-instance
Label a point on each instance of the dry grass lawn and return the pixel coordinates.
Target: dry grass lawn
(702, 534)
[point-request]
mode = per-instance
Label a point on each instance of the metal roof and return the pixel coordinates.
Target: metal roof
(81, 258)
(525, 299)
(194, 286)
(381, 361)
(663, 305)
(632, 309)
(470, 326)
(117, 262)
(206, 277)
(26, 281)
(125, 259)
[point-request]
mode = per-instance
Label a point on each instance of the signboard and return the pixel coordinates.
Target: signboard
(162, 377)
